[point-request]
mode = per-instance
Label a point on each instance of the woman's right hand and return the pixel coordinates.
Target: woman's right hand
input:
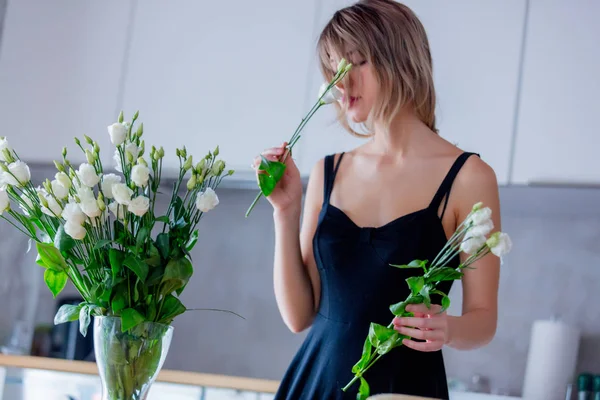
(287, 195)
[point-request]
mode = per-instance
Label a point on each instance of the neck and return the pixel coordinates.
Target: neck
(399, 137)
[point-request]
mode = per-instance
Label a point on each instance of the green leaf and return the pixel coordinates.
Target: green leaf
(51, 256)
(130, 318)
(155, 276)
(399, 309)
(67, 313)
(171, 308)
(119, 301)
(276, 170)
(443, 274)
(266, 183)
(162, 244)
(363, 390)
(193, 240)
(151, 310)
(102, 243)
(55, 280)
(179, 208)
(425, 293)
(84, 319)
(137, 266)
(415, 283)
(142, 236)
(412, 264)
(393, 341)
(177, 273)
(116, 258)
(445, 299)
(40, 262)
(379, 334)
(62, 241)
(163, 218)
(366, 355)
(154, 257)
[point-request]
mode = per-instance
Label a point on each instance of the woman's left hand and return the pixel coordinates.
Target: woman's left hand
(428, 324)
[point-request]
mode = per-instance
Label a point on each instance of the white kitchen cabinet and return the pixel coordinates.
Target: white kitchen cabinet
(557, 136)
(218, 73)
(60, 69)
(476, 49)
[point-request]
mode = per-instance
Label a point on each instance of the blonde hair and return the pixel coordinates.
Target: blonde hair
(390, 36)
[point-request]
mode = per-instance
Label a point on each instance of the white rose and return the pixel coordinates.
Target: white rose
(3, 145)
(140, 174)
(87, 175)
(132, 149)
(90, 208)
(75, 230)
(118, 133)
(471, 244)
(84, 193)
(59, 190)
(63, 179)
(117, 210)
(481, 216)
(4, 201)
(18, 174)
(499, 244)
(482, 229)
(117, 159)
(108, 181)
(334, 94)
(53, 209)
(72, 213)
(122, 193)
(207, 200)
(139, 206)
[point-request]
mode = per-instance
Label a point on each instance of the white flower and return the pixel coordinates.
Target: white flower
(84, 193)
(90, 208)
(4, 201)
(482, 229)
(87, 175)
(499, 244)
(53, 208)
(122, 193)
(59, 190)
(117, 210)
(117, 158)
(334, 94)
(207, 200)
(63, 179)
(471, 244)
(3, 145)
(18, 174)
(481, 216)
(140, 174)
(75, 230)
(72, 213)
(108, 181)
(118, 133)
(139, 206)
(132, 149)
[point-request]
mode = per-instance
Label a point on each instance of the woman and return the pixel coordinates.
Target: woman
(396, 198)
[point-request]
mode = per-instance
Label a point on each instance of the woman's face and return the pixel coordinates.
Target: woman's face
(360, 87)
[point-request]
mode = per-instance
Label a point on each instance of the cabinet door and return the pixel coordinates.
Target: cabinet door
(557, 137)
(60, 70)
(476, 49)
(218, 73)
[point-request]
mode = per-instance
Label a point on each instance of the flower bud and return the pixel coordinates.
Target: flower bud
(47, 185)
(216, 152)
(77, 142)
(161, 152)
(200, 166)
(188, 164)
(140, 130)
(230, 172)
(120, 119)
(96, 148)
(59, 166)
(218, 167)
(129, 157)
(142, 148)
(136, 115)
(64, 152)
(8, 157)
(101, 204)
(91, 157)
(88, 140)
(141, 161)
(178, 152)
(191, 183)
(4, 167)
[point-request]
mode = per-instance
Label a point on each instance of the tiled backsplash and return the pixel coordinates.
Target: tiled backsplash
(554, 269)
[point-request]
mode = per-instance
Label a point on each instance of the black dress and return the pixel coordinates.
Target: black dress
(357, 288)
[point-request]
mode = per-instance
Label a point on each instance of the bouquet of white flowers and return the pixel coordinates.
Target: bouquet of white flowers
(95, 228)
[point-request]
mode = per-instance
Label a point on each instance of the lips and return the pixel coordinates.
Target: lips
(353, 101)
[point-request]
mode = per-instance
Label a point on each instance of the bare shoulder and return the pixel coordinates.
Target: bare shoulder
(476, 173)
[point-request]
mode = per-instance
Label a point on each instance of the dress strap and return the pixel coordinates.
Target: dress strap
(330, 173)
(444, 189)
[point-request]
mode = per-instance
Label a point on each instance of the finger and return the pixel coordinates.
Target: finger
(431, 335)
(422, 308)
(421, 323)
(422, 346)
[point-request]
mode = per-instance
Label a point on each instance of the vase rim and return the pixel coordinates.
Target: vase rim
(168, 326)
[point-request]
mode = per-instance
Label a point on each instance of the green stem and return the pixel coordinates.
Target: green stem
(361, 373)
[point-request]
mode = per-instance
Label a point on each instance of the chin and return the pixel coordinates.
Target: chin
(357, 118)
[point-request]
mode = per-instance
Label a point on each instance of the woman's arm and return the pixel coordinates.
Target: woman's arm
(296, 278)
